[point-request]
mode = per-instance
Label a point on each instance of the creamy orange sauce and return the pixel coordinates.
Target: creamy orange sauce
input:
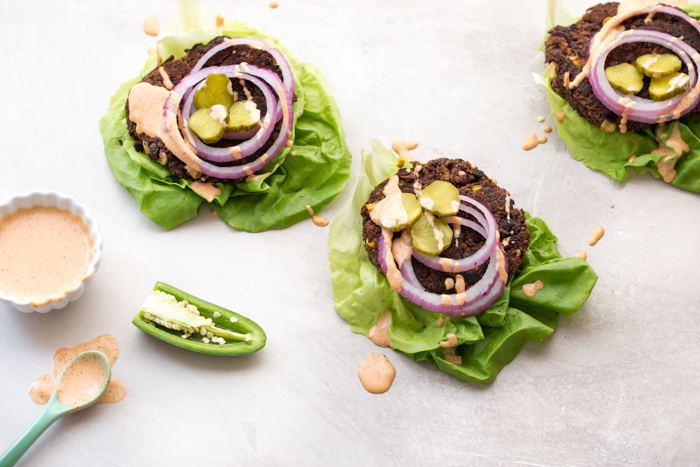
(151, 26)
(379, 333)
(560, 116)
(45, 253)
(219, 22)
(531, 142)
(390, 211)
(320, 221)
(671, 150)
(42, 388)
(273, 4)
(146, 107)
(310, 210)
(252, 178)
(596, 235)
(207, 191)
(542, 140)
(450, 342)
(581, 254)
(376, 373)
(449, 283)
(402, 248)
(531, 289)
(451, 356)
(547, 129)
(459, 284)
(166, 79)
(440, 322)
(213, 213)
(403, 148)
(81, 382)
(169, 133)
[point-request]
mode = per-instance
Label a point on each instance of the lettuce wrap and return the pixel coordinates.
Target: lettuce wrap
(612, 153)
(316, 173)
(487, 342)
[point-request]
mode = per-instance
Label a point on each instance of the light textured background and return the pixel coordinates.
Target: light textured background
(616, 384)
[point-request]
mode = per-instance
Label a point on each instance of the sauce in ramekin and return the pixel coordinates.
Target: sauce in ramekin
(44, 253)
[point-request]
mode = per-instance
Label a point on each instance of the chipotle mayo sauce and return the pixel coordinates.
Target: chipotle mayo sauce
(43, 387)
(81, 382)
(44, 252)
(376, 373)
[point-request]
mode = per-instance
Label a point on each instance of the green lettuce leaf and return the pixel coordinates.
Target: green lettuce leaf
(488, 341)
(611, 152)
(316, 173)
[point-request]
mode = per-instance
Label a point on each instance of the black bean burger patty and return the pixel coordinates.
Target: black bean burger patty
(567, 48)
(177, 70)
(514, 234)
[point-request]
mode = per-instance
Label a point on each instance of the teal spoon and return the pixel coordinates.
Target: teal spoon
(87, 395)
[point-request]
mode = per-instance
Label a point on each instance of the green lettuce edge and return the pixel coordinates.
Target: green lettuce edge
(487, 342)
(610, 153)
(317, 172)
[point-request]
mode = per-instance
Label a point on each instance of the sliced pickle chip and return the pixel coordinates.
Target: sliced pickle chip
(664, 88)
(441, 198)
(243, 116)
(393, 208)
(658, 66)
(209, 128)
(430, 235)
(625, 78)
(413, 208)
(215, 91)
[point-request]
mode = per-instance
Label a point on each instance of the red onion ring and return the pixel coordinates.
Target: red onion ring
(645, 110)
(486, 290)
(247, 147)
(478, 257)
(269, 156)
(287, 76)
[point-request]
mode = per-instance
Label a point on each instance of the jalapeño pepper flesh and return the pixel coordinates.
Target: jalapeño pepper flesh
(185, 321)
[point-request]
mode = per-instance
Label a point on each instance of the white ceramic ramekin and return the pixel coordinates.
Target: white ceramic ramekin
(69, 204)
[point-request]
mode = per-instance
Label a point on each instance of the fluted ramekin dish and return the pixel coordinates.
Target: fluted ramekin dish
(39, 198)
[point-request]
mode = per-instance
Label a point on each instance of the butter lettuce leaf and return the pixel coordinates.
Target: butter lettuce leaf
(612, 153)
(319, 169)
(487, 342)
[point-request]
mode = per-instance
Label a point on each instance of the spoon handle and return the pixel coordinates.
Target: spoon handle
(24, 442)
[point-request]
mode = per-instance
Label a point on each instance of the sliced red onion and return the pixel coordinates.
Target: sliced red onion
(247, 147)
(478, 228)
(274, 150)
(645, 110)
(485, 291)
(480, 256)
(287, 76)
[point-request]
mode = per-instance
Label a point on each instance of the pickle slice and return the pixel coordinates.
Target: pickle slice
(216, 91)
(658, 66)
(625, 78)
(664, 88)
(430, 235)
(243, 116)
(440, 198)
(208, 123)
(413, 208)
